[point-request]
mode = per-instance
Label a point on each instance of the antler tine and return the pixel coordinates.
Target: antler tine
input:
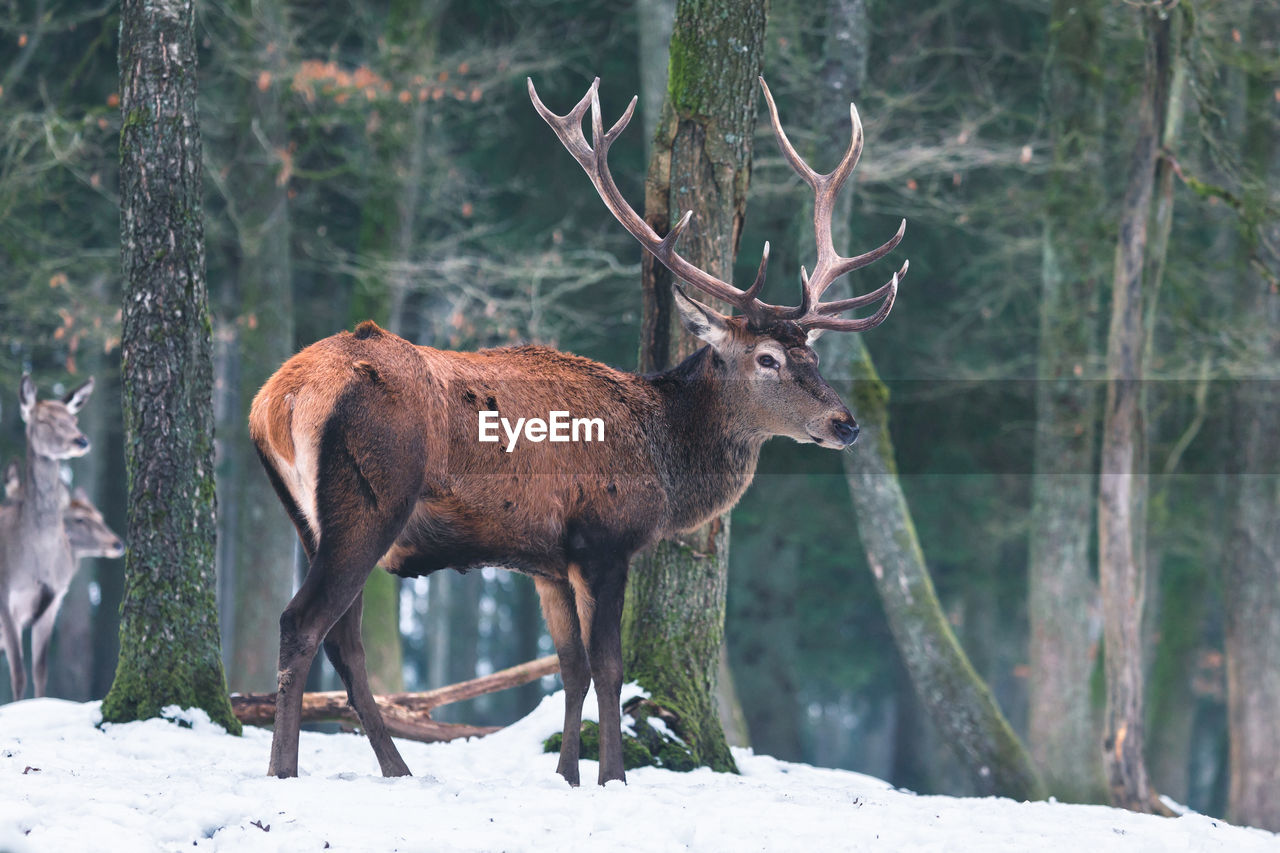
(859, 261)
(788, 151)
(841, 305)
(593, 160)
(764, 266)
(568, 127)
(830, 265)
(841, 324)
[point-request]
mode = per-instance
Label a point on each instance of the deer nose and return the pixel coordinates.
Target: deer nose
(82, 442)
(845, 429)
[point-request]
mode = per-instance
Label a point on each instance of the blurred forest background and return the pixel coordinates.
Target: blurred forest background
(381, 160)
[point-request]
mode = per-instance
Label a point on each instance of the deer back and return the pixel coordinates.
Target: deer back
(391, 410)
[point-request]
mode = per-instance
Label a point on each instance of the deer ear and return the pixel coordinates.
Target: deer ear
(813, 336)
(26, 397)
(12, 481)
(700, 321)
(76, 399)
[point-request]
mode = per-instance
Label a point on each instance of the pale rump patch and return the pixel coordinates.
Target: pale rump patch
(556, 609)
(584, 601)
(301, 478)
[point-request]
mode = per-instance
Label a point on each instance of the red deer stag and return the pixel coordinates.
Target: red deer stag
(36, 562)
(372, 444)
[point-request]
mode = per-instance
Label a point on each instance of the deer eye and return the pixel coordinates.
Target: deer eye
(767, 361)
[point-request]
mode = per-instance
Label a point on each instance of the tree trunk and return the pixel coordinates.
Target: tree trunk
(955, 698)
(654, 19)
(169, 652)
(1123, 481)
(952, 693)
(1062, 728)
(673, 623)
(1251, 581)
(262, 551)
(1251, 586)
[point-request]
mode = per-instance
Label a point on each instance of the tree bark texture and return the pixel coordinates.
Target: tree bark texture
(1063, 732)
(1123, 480)
(261, 554)
(169, 652)
(673, 623)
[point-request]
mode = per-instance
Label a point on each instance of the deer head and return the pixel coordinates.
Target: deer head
(770, 345)
(87, 530)
(52, 430)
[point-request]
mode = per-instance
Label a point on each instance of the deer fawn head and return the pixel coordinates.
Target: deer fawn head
(52, 430)
(87, 530)
(767, 346)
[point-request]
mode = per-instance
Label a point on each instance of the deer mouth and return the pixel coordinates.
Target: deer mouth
(823, 442)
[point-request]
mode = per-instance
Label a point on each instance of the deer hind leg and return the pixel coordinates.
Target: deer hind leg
(601, 587)
(560, 611)
(344, 559)
(368, 480)
(41, 636)
(12, 638)
(345, 650)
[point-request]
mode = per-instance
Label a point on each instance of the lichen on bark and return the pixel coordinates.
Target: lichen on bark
(169, 651)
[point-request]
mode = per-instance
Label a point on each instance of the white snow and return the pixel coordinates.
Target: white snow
(66, 784)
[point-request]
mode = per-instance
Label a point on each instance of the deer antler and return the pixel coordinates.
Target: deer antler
(810, 314)
(594, 160)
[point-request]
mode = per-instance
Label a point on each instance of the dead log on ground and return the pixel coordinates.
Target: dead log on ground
(407, 715)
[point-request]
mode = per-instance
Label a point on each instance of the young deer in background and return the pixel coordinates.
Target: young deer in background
(88, 536)
(87, 530)
(36, 562)
(371, 443)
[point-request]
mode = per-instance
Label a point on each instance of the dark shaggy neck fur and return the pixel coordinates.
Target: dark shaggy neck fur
(708, 463)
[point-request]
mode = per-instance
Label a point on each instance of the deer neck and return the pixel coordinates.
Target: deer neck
(710, 457)
(43, 494)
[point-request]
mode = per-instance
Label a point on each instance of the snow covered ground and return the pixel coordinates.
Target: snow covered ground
(66, 785)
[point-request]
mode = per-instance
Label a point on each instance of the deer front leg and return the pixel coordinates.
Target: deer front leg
(607, 585)
(12, 639)
(562, 622)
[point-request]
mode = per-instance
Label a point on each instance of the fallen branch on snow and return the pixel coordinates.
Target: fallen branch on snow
(407, 715)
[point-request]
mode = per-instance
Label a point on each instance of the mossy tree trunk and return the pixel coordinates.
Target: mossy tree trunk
(260, 557)
(954, 696)
(1122, 483)
(948, 687)
(673, 624)
(1063, 733)
(169, 652)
